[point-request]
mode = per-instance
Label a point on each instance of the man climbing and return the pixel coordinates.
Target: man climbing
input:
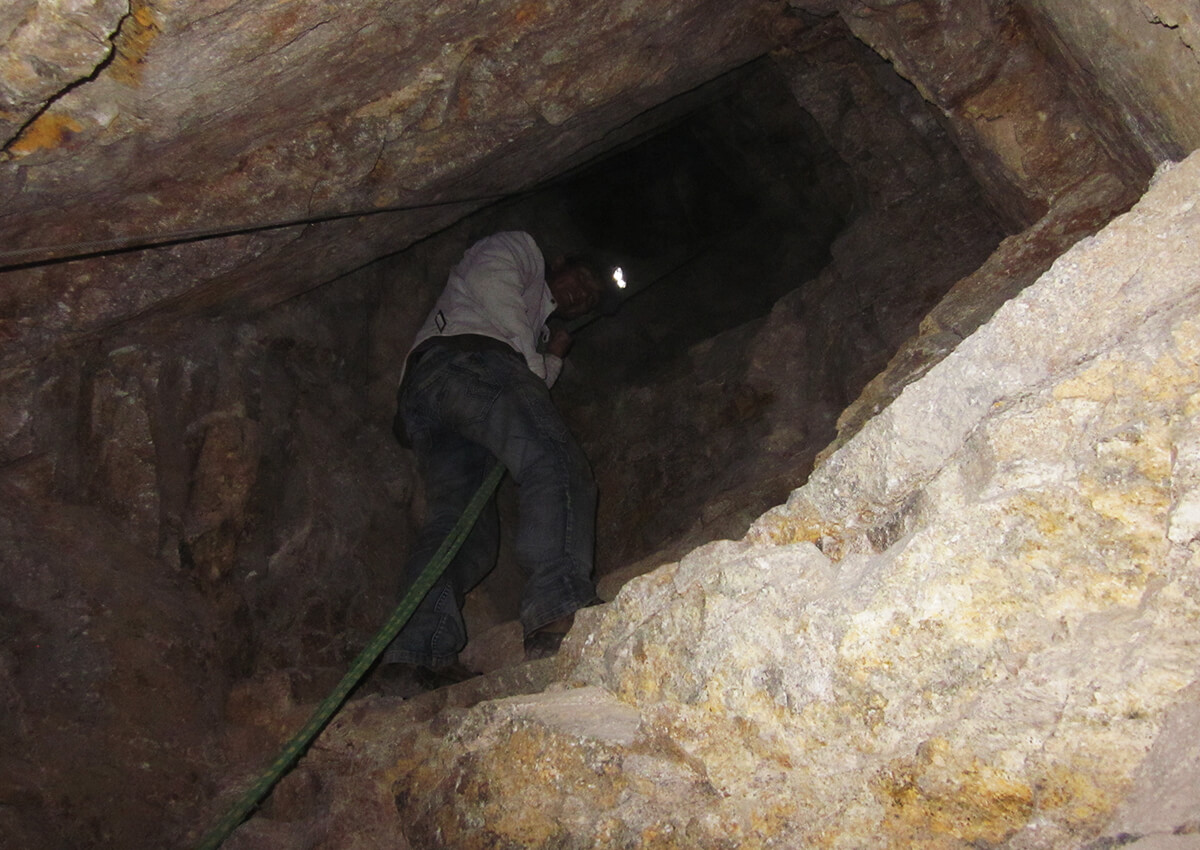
(475, 388)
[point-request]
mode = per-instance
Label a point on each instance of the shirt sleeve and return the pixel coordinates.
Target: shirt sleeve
(554, 365)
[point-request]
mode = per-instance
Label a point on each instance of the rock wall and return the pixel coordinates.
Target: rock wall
(1049, 155)
(693, 447)
(1139, 64)
(1028, 135)
(267, 149)
(197, 536)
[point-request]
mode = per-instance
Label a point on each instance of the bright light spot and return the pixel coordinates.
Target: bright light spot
(619, 277)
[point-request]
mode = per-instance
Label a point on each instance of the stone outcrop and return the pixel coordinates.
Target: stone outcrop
(1028, 139)
(1146, 78)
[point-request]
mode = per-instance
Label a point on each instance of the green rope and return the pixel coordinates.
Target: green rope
(296, 747)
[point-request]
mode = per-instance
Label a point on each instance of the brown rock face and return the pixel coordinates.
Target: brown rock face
(220, 224)
(1027, 138)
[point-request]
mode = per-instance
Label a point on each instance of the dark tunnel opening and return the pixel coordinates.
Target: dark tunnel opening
(713, 217)
(771, 277)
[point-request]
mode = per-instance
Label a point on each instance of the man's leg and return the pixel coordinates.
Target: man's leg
(492, 400)
(556, 494)
(452, 469)
(556, 533)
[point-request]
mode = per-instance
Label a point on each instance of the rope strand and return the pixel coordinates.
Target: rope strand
(85, 250)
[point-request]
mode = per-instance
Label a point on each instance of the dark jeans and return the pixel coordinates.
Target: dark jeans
(461, 410)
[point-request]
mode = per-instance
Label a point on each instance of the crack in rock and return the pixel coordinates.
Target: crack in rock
(13, 147)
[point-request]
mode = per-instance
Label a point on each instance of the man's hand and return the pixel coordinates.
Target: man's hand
(560, 343)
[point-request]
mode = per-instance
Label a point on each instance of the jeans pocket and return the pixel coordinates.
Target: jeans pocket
(533, 399)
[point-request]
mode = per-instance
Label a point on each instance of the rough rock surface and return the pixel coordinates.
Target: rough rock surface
(982, 631)
(201, 508)
(1005, 100)
(1131, 78)
(269, 148)
(972, 300)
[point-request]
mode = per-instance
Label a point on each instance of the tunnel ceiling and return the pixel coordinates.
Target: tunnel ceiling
(169, 158)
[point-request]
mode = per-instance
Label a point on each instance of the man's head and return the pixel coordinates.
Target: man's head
(577, 284)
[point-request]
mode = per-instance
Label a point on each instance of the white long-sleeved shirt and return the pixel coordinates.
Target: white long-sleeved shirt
(498, 289)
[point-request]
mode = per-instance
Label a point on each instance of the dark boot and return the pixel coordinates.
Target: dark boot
(545, 641)
(411, 680)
